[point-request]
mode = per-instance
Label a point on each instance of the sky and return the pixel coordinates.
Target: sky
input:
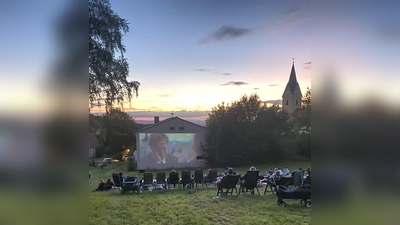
(190, 55)
(194, 55)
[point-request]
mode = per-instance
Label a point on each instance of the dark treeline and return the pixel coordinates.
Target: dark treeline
(247, 132)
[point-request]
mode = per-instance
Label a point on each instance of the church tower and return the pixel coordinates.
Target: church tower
(291, 98)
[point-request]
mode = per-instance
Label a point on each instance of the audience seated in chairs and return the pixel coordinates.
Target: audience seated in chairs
(307, 177)
(173, 178)
(286, 172)
(186, 179)
(249, 184)
(228, 172)
(269, 172)
(228, 182)
(198, 177)
(211, 177)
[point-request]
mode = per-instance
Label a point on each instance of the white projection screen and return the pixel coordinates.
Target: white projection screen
(169, 150)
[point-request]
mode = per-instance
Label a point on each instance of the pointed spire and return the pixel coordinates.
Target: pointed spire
(292, 79)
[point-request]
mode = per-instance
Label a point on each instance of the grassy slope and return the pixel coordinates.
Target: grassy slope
(184, 207)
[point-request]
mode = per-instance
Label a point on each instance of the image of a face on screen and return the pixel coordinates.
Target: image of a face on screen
(168, 148)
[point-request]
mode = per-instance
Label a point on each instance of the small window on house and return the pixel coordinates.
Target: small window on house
(287, 102)
(181, 128)
(171, 128)
(297, 102)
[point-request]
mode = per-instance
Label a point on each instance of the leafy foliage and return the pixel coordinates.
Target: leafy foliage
(117, 132)
(108, 68)
(245, 133)
(302, 126)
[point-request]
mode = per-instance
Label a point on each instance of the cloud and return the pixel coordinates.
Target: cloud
(225, 33)
(164, 95)
(209, 70)
(290, 17)
(256, 88)
(277, 101)
(226, 74)
(292, 10)
(203, 70)
(236, 83)
(273, 85)
(307, 68)
(307, 63)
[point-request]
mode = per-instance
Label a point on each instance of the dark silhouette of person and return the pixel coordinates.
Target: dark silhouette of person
(101, 186)
(109, 184)
(158, 144)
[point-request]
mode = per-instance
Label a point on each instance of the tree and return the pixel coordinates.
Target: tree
(108, 68)
(117, 132)
(302, 126)
(302, 121)
(244, 133)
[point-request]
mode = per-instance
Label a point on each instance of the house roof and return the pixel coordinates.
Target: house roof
(168, 120)
(292, 80)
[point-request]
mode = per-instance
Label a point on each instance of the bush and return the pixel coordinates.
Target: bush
(132, 164)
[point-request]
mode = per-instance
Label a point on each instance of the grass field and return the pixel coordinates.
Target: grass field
(191, 207)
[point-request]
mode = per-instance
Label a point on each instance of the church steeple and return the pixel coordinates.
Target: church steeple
(291, 98)
(292, 80)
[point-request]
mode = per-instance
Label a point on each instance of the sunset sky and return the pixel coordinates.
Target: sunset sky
(191, 55)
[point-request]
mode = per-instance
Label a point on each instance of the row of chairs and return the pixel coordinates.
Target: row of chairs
(231, 182)
(133, 183)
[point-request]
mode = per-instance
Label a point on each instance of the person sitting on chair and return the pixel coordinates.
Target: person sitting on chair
(173, 173)
(260, 177)
(205, 179)
(229, 172)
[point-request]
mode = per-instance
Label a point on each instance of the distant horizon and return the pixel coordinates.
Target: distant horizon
(147, 116)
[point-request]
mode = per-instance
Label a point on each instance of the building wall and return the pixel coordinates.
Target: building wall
(291, 99)
(184, 144)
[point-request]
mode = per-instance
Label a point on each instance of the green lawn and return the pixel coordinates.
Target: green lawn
(191, 207)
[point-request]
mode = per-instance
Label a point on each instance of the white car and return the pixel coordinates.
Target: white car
(108, 160)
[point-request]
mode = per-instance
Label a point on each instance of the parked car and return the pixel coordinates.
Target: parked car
(107, 160)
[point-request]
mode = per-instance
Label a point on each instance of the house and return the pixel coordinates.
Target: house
(170, 143)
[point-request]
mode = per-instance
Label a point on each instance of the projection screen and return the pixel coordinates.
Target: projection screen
(168, 149)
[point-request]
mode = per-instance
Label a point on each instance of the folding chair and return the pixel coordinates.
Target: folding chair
(117, 181)
(160, 180)
(212, 177)
(250, 181)
(147, 181)
(130, 183)
(186, 179)
(173, 178)
(198, 177)
(229, 183)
